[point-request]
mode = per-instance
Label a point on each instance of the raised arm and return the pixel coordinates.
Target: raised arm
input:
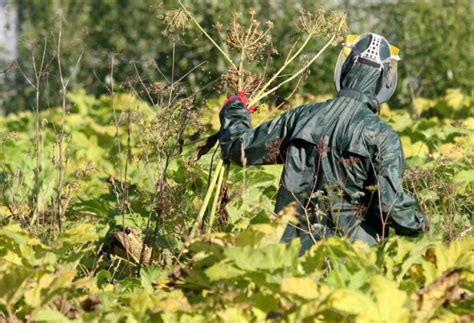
(244, 145)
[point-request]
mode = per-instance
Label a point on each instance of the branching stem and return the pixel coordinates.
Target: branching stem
(219, 48)
(282, 68)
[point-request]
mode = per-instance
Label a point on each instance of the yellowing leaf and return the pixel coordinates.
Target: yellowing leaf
(391, 302)
(385, 110)
(401, 121)
(459, 254)
(79, 234)
(48, 315)
(33, 294)
(173, 304)
(63, 279)
(4, 211)
(354, 302)
(433, 296)
(141, 302)
(464, 176)
(12, 278)
(450, 150)
(223, 271)
(456, 99)
(416, 149)
(469, 123)
(303, 287)
(270, 257)
(421, 105)
(233, 314)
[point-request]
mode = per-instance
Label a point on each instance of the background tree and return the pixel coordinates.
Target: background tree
(434, 37)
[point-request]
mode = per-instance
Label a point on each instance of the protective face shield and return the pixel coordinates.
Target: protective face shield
(373, 50)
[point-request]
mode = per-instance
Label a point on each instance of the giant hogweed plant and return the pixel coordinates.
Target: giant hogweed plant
(247, 47)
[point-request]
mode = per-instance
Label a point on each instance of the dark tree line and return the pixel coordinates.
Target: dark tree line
(435, 38)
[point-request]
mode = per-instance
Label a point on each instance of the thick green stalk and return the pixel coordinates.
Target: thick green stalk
(216, 199)
(207, 198)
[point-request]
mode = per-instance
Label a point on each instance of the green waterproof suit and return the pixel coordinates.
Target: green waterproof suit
(343, 165)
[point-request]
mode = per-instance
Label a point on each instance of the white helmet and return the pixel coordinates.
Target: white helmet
(374, 50)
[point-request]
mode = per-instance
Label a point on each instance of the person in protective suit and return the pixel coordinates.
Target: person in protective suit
(343, 165)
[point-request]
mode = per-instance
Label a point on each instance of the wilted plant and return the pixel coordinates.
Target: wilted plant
(160, 137)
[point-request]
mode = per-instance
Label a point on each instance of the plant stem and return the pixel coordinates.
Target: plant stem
(38, 134)
(220, 180)
(261, 96)
(202, 211)
(172, 75)
(287, 62)
(242, 57)
(228, 59)
(124, 181)
(60, 164)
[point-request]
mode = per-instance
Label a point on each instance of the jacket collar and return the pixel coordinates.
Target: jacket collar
(371, 102)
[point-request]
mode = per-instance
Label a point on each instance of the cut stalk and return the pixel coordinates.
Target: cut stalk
(261, 94)
(207, 198)
(276, 87)
(212, 215)
(287, 62)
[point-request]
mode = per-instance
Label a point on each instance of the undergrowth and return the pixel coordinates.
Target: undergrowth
(91, 271)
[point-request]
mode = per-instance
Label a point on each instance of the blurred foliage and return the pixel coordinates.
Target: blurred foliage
(434, 37)
(435, 42)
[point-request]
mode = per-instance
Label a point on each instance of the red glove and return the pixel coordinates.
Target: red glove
(242, 97)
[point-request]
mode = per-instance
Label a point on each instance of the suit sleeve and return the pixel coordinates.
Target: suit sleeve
(397, 205)
(245, 145)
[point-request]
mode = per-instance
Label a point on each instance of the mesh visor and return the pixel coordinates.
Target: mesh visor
(364, 50)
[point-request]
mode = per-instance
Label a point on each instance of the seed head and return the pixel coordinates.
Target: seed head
(253, 40)
(176, 21)
(230, 81)
(218, 26)
(311, 22)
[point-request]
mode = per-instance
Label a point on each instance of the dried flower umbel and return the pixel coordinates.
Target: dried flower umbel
(251, 40)
(165, 130)
(320, 23)
(160, 91)
(311, 22)
(252, 81)
(176, 21)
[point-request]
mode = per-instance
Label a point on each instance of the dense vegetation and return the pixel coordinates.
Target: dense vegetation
(238, 270)
(106, 210)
